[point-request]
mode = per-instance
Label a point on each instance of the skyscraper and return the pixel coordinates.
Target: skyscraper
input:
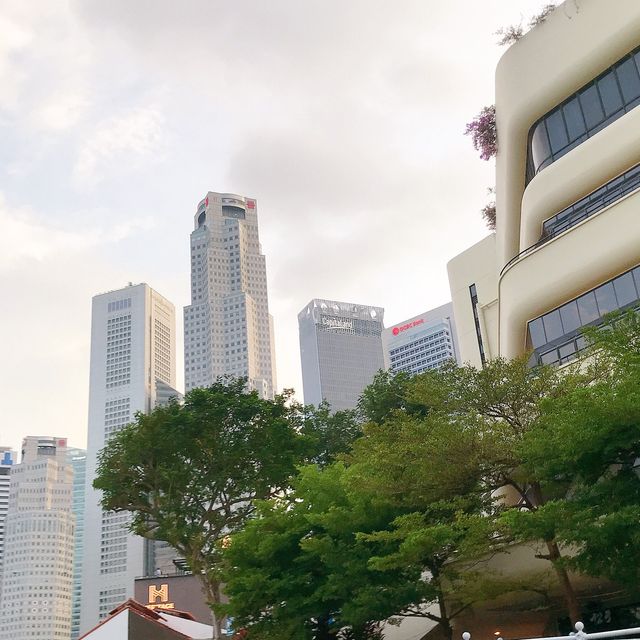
(7, 460)
(38, 563)
(77, 458)
(132, 367)
(340, 349)
(227, 326)
(423, 342)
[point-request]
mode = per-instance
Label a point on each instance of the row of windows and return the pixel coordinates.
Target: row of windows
(434, 338)
(555, 336)
(118, 305)
(596, 105)
(591, 204)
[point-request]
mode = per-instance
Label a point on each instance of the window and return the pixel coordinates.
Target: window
(583, 114)
(555, 336)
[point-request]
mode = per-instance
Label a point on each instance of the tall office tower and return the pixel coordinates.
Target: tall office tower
(341, 351)
(423, 342)
(567, 244)
(37, 579)
(227, 326)
(8, 458)
(77, 458)
(132, 367)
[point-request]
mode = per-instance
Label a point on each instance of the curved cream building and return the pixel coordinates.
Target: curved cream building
(567, 244)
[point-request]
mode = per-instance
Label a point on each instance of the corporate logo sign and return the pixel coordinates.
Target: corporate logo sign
(404, 327)
(337, 323)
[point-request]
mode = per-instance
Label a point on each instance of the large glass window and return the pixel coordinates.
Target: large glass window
(593, 107)
(555, 337)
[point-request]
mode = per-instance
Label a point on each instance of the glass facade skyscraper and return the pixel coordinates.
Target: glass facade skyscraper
(340, 349)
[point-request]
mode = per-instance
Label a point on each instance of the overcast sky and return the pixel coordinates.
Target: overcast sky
(343, 118)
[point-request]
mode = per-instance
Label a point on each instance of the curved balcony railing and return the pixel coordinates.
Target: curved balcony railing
(607, 194)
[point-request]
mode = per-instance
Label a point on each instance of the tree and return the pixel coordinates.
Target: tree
(387, 393)
(418, 464)
(328, 434)
(472, 438)
(189, 474)
(505, 401)
(300, 570)
(590, 440)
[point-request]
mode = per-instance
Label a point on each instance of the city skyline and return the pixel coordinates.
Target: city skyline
(353, 147)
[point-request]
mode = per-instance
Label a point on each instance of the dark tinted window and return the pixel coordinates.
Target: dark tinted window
(588, 308)
(552, 325)
(536, 333)
(610, 94)
(625, 290)
(629, 80)
(549, 358)
(557, 132)
(567, 350)
(606, 297)
(573, 118)
(591, 107)
(540, 144)
(570, 317)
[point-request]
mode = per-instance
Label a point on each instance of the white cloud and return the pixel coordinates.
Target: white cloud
(61, 110)
(130, 140)
(25, 239)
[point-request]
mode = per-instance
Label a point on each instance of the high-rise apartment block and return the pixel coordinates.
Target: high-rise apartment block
(340, 349)
(227, 327)
(132, 369)
(77, 458)
(423, 342)
(37, 577)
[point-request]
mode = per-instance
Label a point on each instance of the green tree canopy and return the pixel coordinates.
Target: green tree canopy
(189, 473)
(590, 439)
(301, 570)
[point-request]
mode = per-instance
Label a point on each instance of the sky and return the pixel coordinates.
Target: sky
(344, 119)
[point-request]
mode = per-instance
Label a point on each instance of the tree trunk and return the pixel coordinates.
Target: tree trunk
(445, 622)
(213, 591)
(573, 607)
(571, 601)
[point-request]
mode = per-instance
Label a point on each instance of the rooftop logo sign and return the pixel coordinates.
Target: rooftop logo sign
(337, 323)
(403, 327)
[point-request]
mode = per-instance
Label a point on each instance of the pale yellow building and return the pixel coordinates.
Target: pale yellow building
(566, 250)
(567, 238)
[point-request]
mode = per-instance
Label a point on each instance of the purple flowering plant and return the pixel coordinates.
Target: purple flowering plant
(483, 132)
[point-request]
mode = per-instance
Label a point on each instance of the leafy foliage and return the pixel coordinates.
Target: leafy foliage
(512, 33)
(189, 473)
(301, 568)
(591, 440)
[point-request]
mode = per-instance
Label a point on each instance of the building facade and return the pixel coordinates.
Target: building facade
(37, 578)
(426, 341)
(8, 458)
(566, 250)
(567, 242)
(227, 327)
(132, 368)
(77, 458)
(340, 350)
